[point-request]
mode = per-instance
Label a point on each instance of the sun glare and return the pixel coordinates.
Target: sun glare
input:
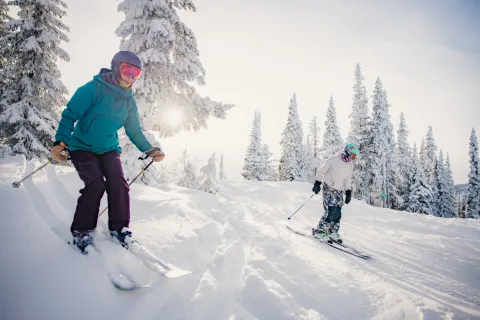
(174, 116)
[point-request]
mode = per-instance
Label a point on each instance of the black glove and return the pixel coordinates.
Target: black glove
(316, 186)
(152, 150)
(348, 197)
(149, 153)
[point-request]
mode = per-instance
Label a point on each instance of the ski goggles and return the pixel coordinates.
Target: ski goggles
(130, 71)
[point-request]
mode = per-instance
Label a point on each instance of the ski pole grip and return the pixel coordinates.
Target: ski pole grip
(149, 153)
(64, 152)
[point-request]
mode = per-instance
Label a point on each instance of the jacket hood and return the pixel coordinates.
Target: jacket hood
(107, 77)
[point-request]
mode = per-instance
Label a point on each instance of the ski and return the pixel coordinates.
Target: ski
(351, 248)
(151, 261)
(120, 281)
(340, 246)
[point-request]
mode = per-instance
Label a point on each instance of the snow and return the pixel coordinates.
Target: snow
(246, 264)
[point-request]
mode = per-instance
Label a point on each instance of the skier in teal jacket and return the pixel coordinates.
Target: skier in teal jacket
(88, 134)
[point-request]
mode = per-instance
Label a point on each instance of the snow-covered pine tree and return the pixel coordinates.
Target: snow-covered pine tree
(313, 150)
(393, 200)
(4, 54)
(308, 170)
(462, 206)
(208, 180)
(381, 150)
(423, 156)
(221, 173)
(271, 173)
(420, 200)
(171, 69)
(188, 178)
(473, 197)
(450, 204)
(434, 181)
(359, 132)
(430, 154)
(4, 18)
(405, 170)
(33, 94)
(292, 160)
(446, 195)
(254, 163)
(459, 205)
(332, 139)
(430, 167)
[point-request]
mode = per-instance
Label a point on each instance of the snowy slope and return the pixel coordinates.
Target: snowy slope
(246, 263)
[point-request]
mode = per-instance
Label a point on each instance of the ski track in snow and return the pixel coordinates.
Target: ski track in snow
(246, 264)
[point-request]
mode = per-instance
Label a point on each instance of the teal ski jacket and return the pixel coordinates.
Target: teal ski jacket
(95, 113)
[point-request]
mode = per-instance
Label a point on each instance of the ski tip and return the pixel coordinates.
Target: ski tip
(123, 282)
(176, 273)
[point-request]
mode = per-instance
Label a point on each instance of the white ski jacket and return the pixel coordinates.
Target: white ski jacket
(336, 173)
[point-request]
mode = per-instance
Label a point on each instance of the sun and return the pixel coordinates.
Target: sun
(174, 117)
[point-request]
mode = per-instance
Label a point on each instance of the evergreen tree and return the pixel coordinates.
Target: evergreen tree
(5, 53)
(171, 69)
(208, 181)
(420, 199)
(359, 133)
(292, 160)
(188, 178)
(254, 164)
(313, 150)
(270, 173)
(430, 155)
(405, 170)
(33, 94)
(450, 186)
(381, 155)
(473, 197)
(4, 18)
(434, 183)
(446, 195)
(393, 200)
(461, 206)
(221, 174)
(332, 139)
(430, 167)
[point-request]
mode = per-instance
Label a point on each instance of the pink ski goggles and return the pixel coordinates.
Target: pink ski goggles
(130, 71)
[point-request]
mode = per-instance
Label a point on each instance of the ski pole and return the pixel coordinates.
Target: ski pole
(136, 177)
(16, 184)
(301, 206)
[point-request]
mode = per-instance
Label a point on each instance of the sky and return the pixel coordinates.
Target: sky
(258, 53)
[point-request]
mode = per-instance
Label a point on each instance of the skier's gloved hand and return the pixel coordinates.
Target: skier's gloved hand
(316, 186)
(155, 153)
(59, 151)
(348, 195)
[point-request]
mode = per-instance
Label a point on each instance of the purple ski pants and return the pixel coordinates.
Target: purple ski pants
(92, 169)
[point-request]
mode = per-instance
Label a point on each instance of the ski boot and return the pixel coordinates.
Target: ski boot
(124, 237)
(82, 240)
(320, 234)
(335, 237)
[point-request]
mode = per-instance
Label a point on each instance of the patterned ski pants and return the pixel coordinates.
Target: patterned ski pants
(332, 205)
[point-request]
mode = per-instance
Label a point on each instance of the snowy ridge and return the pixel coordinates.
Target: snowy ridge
(246, 264)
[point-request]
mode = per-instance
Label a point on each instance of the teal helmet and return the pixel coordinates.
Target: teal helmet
(351, 150)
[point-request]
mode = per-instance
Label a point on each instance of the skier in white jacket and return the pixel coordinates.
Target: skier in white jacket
(336, 174)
